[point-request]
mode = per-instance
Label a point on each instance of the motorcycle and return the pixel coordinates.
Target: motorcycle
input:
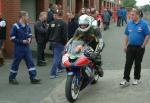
(81, 70)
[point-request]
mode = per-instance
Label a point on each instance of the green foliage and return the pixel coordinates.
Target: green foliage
(128, 3)
(146, 8)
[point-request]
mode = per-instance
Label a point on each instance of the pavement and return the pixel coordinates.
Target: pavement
(107, 90)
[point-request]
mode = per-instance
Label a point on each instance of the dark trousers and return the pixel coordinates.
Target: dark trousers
(118, 21)
(1, 54)
(40, 52)
(134, 55)
(123, 19)
(106, 25)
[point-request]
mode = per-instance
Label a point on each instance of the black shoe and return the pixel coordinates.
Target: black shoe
(41, 64)
(13, 81)
(35, 81)
(100, 70)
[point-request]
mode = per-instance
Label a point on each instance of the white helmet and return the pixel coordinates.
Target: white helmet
(85, 20)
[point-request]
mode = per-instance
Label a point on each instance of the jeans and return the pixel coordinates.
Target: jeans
(57, 49)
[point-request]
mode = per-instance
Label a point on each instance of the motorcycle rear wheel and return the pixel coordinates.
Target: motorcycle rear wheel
(72, 89)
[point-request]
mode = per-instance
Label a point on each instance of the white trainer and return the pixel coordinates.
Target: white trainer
(136, 82)
(124, 83)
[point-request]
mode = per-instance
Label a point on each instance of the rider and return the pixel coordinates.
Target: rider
(91, 36)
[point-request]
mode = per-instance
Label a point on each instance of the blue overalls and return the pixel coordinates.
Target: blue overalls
(21, 51)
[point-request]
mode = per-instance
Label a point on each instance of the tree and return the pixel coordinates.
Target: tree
(146, 8)
(128, 3)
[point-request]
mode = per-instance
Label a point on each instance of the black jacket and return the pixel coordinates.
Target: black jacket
(2, 31)
(40, 31)
(72, 26)
(58, 31)
(50, 16)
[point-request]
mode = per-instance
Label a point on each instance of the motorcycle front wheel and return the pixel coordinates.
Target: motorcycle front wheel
(72, 89)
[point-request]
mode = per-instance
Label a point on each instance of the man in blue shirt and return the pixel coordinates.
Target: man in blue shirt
(137, 34)
(21, 35)
(124, 15)
(119, 16)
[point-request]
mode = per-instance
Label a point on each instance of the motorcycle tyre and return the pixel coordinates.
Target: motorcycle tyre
(68, 88)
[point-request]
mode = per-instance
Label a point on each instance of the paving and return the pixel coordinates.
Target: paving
(107, 90)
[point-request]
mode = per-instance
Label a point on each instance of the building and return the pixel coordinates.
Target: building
(10, 9)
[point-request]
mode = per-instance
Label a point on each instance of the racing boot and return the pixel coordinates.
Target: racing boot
(100, 70)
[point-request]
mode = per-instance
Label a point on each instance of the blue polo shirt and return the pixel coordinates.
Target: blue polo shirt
(119, 12)
(137, 32)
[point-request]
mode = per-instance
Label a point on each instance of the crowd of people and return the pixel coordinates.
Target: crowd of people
(52, 27)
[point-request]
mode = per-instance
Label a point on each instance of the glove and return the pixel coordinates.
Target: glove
(65, 50)
(94, 55)
(88, 52)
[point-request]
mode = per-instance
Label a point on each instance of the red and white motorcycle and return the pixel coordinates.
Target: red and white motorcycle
(81, 70)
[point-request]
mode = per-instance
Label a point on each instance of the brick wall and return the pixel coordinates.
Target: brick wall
(0, 6)
(10, 9)
(46, 4)
(41, 5)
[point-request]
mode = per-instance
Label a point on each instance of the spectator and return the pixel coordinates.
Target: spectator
(92, 15)
(141, 14)
(40, 28)
(72, 25)
(137, 34)
(2, 37)
(119, 16)
(83, 11)
(110, 13)
(124, 19)
(106, 19)
(99, 19)
(58, 37)
(50, 14)
(21, 36)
